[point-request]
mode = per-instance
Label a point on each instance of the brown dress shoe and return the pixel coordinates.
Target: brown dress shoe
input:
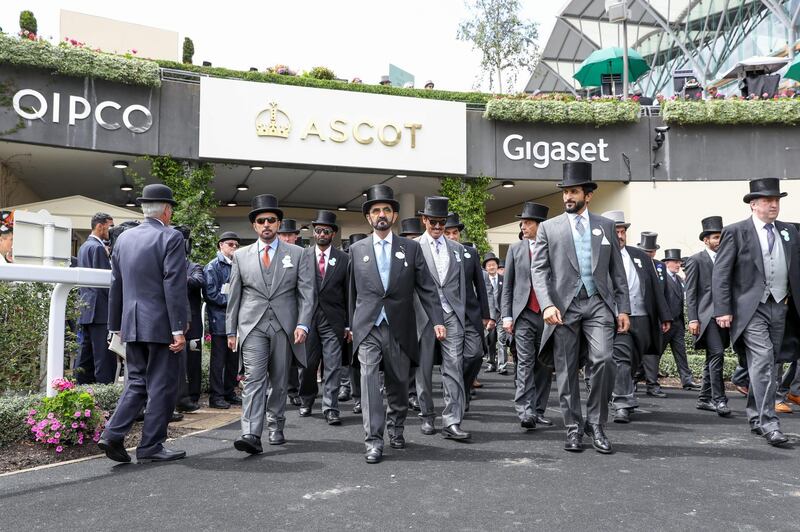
(793, 398)
(744, 390)
(783, 408)
(476, 384)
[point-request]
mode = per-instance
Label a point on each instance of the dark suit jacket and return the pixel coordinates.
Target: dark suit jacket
(675, 296)
(332, 290)
(94, 301)
(477, 301)
(408, 274)
(148, 295)
(195, 286)
(699, 303)
(654, 300)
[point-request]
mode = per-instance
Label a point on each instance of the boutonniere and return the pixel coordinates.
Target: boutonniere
(785, 234)
(458, 257)
(467, 255)
(596, 232)
(287, 262)
(332, 261)
(366, 258)
(402, 256)
(638, 261)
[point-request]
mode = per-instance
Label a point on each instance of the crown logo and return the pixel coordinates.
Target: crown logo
(278, 124)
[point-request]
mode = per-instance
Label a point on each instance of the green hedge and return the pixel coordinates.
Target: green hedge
(79, 61)
(670, 369)
(563, 110)
(732, 111)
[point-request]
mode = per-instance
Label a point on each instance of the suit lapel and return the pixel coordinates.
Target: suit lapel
(596, 239)
(452, 267)
(752, 238)
(425, 244)
(277, 276)
(253, 255)
(571, 253)
(525, 252)
(395, 264)
(779, 226)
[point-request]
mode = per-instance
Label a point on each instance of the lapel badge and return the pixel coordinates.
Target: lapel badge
(366, 258)
(332, 261)
(400, 255)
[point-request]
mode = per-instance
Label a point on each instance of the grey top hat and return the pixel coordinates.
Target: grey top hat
(577, 174)
(264, 203)
(617, 216)
(672, 254)
(411, 226)
(711, 225)
(326, 218)
(157, 193)
(534, 211)
(436, 207)
(453, 221)
(355, 237)
(228, 235)
(490, 256)
(379, 194)
(288, 226)
(764, 188)
(648, 242)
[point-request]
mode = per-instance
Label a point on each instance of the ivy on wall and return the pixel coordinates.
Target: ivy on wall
(563, 109)
(731, 111)
(468, 199)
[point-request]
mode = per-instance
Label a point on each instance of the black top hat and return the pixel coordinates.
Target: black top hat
(264, 203)
(502, 264)
(648, 242)
(436, 207)
(229, 235)
(764, 188)
(453, 221)
(355, 237)
(490, 256)
(288, 226)
(326, 218)
(577, 174)
(379, 194)
(157, 193)
(534, 211)
(672, 254)
(711, 225)
(411, 226)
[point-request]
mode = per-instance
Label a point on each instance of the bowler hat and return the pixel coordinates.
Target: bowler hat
(453, 221)
(577, 174)
(672, 254)
(411, 226)
(228, 235)
(534, 211)
(264, 203)
(288, 226)
(490, 256)
(711, 225)
(157, 193)
(436, 207)
(618, 217)
(326, 218)
(648, 242)
(379, 194)
(355, 237)
(764, 188)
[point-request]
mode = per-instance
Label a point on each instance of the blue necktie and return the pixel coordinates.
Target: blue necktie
(383, 271)
(770, 237)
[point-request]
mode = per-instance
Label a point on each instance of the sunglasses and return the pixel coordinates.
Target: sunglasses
(267, 220)
(323, 231)
(437, 222)
(232, 244)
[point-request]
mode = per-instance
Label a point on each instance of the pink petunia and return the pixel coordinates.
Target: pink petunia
(59, 449)
(77, 414)
(74, 425)
(50, 415)
(87, 413)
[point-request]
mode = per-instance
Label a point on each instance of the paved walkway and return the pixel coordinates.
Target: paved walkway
(675, 468)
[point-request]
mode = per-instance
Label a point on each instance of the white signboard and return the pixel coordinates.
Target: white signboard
(41, 238)
(270, 123)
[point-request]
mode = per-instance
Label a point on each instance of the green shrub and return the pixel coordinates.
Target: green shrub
(696, 362)
(188, 50)
(27, 22)
(732, 111)
(562, 109)
(321, 72)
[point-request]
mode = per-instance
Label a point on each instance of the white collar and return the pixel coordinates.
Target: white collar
(325, 253)
(584, 215)
(376, 238)
(759, 224)
(441, 240)
(157, 220)
(624, 251)
(97, 238)
(273, 245)
(712, 254)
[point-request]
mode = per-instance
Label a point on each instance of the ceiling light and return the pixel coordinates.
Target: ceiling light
(401, 176)
(255, 167)
(242, 187)
(130, 204)
(232, 204)
(120, 164)
(508, 184)
(341, 208)
(304, 228)
(125, 187)
(364, 193)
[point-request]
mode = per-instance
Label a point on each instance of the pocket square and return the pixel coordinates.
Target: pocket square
(605, 241)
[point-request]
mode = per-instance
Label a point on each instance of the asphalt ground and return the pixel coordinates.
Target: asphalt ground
(674, 468)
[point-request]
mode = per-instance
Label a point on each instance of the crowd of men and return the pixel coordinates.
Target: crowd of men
(574, 299)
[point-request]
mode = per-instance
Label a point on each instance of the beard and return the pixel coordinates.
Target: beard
(577, 206)
(381, 224)
(324, 240)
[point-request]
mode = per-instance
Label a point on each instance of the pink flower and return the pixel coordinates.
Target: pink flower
(50, 415)
(31, 412)
(77, 414)
(59, 449)
(82, 425)
(133, 51)
(87, 413)
(73, 42)
(57, 435)
(74, 425)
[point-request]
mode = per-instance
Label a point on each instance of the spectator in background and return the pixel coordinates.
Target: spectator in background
(356, 80)
(643, 100)
(385, 81)
(712, 92)
(408, 85)
(288, 231)
(429, 85)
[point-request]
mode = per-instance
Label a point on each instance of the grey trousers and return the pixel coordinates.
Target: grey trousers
(267, 358)
(762, 338)
(323, 345)
(628, 351)
(473, 357)
(591, 319)
(532, 378)
(713, 387)
(380, 345)
(452, 369)
(790, 382)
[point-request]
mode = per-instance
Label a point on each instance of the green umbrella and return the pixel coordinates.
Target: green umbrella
(794, 70)
(609, 61)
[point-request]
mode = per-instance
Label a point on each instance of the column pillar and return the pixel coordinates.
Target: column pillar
(408, 207)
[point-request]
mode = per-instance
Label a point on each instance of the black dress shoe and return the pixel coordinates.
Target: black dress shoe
(656, 392)
(599, 440)
(357, 407)
(776, 438)
(758, 431)
(622, 415)
(276, 437)
(528, 423)
(503, 371)
(176, 416)
(723, 410)
(221, 404)
(454, 432)
(574, 442)
(491, 368)
(186, 405)
(427, 427)
(332, 417)
(115, 450)
(473, 393)
(164, 455)
(705, 404)
(413, 403)
(295, 400)
(397, 442)
(692, 386)
(305, 411)
(344, 396)
(248, 443)
(234, 400)
(373, 456)
(544, 421)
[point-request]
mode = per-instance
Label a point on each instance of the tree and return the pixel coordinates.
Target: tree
(468, 199)
(507, 43)
(28, 22)
(188, 50)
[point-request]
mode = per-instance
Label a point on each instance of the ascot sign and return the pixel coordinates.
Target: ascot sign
(544, 152)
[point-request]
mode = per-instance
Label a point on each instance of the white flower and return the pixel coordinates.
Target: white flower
(466, 254)
(400, 255)
(332, 261)
(366, 258)
(596, 232)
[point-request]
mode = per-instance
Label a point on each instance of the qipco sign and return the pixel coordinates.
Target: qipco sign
(32, 105)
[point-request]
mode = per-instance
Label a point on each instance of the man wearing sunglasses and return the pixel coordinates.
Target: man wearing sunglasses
(270, 305)
(328, 332)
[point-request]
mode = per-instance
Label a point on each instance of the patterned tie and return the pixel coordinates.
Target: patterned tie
(438, 246)
(579, 225)
(770, 237)
(322, 264)
(265, 258)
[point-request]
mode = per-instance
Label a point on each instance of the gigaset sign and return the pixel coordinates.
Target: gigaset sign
(543, 153)
(32, 105)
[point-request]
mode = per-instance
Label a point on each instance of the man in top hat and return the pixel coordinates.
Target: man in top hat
(581, 286)
(495, 337)
(270, 309)
(147, 307)
(648, 244)
(755, 285)
(329, 331)
(288, 231)
(700, 309)
(649, 319)
(478, 317)
(445, 264)
(411, 227)
(224, 361)
(522, 318)
(350, 383)
(385, 273)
